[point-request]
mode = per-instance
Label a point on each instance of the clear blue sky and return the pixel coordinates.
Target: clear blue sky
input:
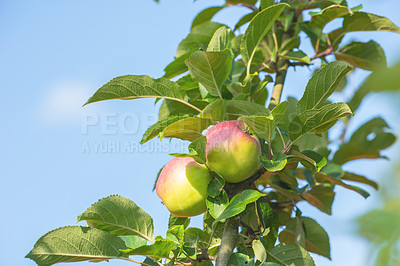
(55, 54)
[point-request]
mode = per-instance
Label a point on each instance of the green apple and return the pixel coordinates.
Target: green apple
(232, 152)
(182, 186)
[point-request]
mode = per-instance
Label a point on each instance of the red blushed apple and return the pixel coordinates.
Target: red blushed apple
(182, 186)
(231, 152)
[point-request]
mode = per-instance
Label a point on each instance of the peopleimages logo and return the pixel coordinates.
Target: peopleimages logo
(115, 133)
(113, 123)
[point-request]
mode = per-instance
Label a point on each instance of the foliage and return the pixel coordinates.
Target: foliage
(224, 76)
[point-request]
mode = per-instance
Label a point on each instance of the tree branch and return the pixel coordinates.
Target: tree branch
(278, 87)
(324, 53)
(228, 241)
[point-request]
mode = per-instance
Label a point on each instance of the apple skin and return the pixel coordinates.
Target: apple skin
(182, 186)
(231, 152)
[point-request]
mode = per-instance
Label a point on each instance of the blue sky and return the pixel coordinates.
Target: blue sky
(55, 54)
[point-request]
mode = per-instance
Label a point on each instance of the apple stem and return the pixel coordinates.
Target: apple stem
(228, 241)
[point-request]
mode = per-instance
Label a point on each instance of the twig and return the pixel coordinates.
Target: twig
(327, 52)
(278, 87)
(135, 261)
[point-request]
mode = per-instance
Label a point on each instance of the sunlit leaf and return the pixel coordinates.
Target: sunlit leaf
(297, 56)
(119, 216)
(264, 126)
(257, 29)
(160, 249)
(361, 21)
(322, 84)
(206, 15)
(290, 254)
(198, 38)
(232, 109)
(238, 204)
(368, 56)
(211, 69)
(60, 245)
(317, 120)
(187, 129)
(277, 163)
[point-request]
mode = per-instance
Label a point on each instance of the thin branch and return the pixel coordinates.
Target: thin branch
(278, 87)
(135, 261)
(327, 52)
(251, 7)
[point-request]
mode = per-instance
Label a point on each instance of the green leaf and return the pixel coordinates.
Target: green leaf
(198, 38)
(240, 259)
(359, 179)
(297, 56)
(290, 44)
(257, 29)
(264, 126)
(60, 245)
(368, 56)
(195, 238)
(366, 142)
(206, 15)
(259, 250)
(290, 254)
(238, 2)
(160, 249)
(238, 204)
(266, 3)
(221, 110)
(264, 212)
(158, 127)
(169, 108)
(277, 163)
(317, 240)
(175, 233)
(197, 150)
(177, 66)
(333, 170)
(325, 3)
(216, 185)
(217, 205)
(133, 87)
(119, 216)
(221, 40)
(243, 20)
(320, 197)
(324, 178)
(309, 159)
(174, 221)
(320, 19)
(322, 85)
(317, 120)
(361, 21)
(187, 129)
(134, 241)
(211, 69)
(151, 262)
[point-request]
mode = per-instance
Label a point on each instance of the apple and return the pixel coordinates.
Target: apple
(232, 152)
(182, 186)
